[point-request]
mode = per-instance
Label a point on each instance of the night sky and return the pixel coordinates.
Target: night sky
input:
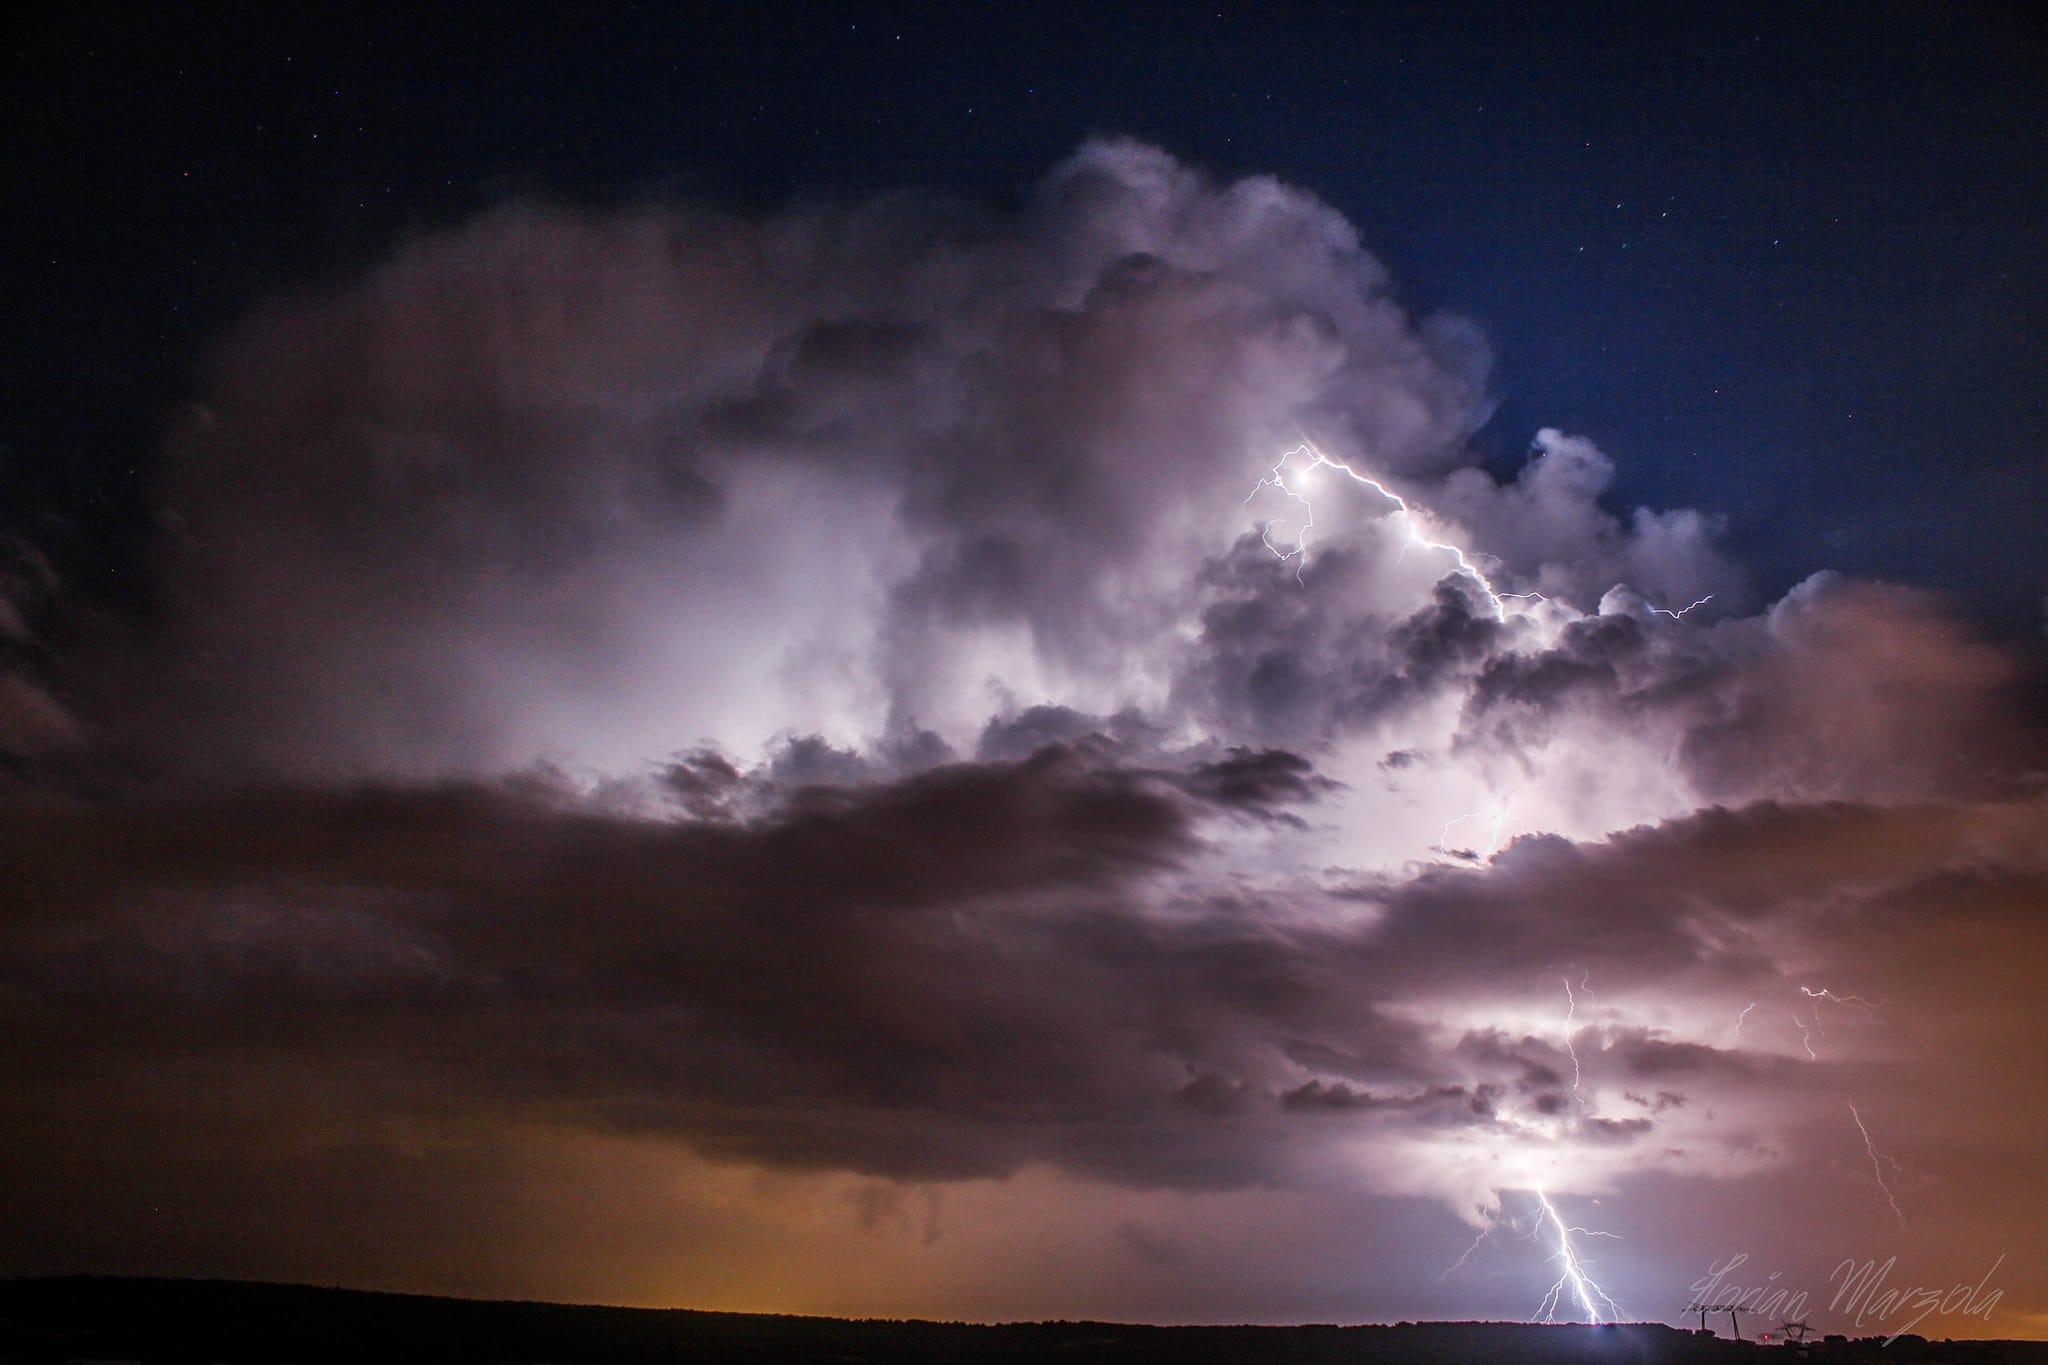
(1176, 663)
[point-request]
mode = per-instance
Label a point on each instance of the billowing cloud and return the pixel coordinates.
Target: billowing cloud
(849, 695)
(989, 968)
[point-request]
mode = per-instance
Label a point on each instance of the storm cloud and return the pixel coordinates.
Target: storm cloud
(841, 693)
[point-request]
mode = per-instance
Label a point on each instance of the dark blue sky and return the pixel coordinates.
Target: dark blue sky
(1785, 263)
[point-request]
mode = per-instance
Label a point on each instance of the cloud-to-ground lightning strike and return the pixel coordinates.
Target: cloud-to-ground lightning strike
(1592, 1298)
(1278, 479)
(1574, 1280)
(1878, 1161)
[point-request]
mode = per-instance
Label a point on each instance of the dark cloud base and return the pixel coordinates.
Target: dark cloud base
(942, 977)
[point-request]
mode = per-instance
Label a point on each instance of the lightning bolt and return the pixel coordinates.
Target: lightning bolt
(1477, 1242)
(1291, 483)
(1679, 615)
(1878, 1161)
(1806, 1035)
(1443, 839)
(1824, 994)
(1494, 825)
(1409, 517)
(1740, 1017)
(1591, 1297)
(1571, 1011)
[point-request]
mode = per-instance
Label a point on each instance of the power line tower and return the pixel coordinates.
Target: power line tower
(1731, 1309)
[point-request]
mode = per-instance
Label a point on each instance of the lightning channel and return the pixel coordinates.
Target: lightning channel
(1574, 1279)
(1805, 1036)
(1289, 484)
(1740, 1018)
(1878, 1161)
(1477, 1242)
(1443, 838)
(1495, 824)
(1570, 1012)
(1679, 615)
(1824, 994)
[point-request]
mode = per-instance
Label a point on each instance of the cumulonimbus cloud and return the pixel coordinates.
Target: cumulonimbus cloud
(836, 690)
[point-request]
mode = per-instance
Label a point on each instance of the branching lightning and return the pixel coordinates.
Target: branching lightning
(1494, 824)
(1410, 522)
(1591, 1297)
(1289, 477)
(1477, 1242)
(1821, 997)
(1824, 994)
(1878, 1161)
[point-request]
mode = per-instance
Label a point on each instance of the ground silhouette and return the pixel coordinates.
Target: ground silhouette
(184, 1322)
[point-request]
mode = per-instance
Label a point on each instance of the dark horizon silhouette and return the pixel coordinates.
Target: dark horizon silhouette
(49, 1319)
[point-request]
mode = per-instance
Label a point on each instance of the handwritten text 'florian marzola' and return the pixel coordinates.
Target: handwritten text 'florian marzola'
(1861, 1293)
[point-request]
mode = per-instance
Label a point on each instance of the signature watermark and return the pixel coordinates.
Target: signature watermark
(1865, 1294)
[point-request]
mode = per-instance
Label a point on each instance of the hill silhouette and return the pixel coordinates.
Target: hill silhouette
(184, 1322)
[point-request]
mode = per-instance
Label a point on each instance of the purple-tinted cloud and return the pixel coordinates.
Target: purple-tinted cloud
(835, 693)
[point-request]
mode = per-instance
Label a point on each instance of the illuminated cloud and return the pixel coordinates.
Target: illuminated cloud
(817, 693)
